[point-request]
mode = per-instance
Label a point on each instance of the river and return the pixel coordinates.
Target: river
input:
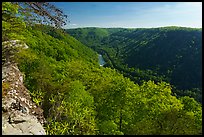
(101, 60)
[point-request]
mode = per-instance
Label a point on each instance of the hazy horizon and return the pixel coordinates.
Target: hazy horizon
(136, 28)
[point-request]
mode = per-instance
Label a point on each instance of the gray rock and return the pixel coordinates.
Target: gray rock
(18, 123)
(17, 106)
(15, 43)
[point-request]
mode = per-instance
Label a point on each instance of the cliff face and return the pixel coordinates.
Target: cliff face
(19, 114)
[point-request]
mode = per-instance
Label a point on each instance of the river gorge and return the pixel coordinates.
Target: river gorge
(101, 60)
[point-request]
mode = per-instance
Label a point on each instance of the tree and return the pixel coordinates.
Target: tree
(74, 106)
(16, 14)
(11, 25)
(42, 12)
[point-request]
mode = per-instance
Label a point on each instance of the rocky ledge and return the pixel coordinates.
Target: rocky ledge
(20, 115)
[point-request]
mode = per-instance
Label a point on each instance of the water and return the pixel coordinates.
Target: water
(101, 60)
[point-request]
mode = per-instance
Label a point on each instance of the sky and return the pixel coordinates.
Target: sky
(132, 14)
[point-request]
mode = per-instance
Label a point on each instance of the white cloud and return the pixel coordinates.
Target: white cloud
(73, 24)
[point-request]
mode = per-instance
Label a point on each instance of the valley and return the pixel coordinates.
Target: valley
(171, 54)
(99, 81)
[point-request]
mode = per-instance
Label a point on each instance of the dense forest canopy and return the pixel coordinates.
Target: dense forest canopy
(79, 97)
(172, 54)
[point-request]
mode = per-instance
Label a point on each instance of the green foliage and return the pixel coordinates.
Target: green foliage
(12, 26)
(37, 97)
(171, 54)
(109, 128)
(81, 98)
(5, 88)
(76, 108)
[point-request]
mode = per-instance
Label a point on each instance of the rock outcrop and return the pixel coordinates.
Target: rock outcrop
(20, 115)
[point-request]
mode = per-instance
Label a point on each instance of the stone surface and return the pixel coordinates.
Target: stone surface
(15, 43)
(22, 125)
(20, 116)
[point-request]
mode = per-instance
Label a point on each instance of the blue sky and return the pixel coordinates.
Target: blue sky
(132, 14)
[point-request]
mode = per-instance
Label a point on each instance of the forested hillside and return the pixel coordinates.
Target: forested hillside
(171, 54)
(79, 97)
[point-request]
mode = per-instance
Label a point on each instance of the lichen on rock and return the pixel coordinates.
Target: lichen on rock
(20, 115)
